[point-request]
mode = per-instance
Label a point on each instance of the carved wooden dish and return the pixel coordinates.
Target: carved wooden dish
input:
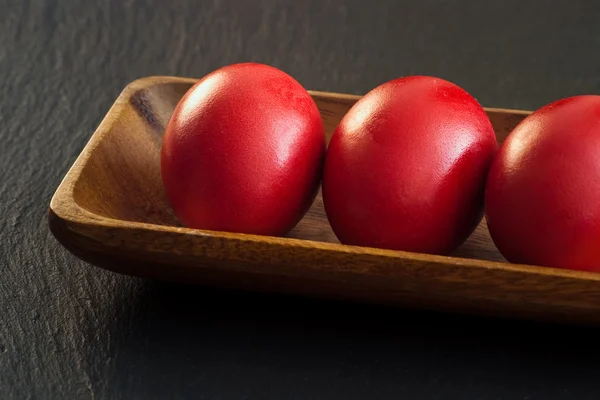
(110, 210)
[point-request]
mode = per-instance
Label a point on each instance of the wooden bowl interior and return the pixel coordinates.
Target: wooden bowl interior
(122, 180)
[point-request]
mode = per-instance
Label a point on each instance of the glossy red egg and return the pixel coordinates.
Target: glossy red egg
(406, 167)
(243, 152)
(543, 190)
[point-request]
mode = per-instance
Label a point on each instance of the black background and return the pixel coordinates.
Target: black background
(70, 330)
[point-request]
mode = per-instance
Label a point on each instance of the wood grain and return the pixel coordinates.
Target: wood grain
(111, 211)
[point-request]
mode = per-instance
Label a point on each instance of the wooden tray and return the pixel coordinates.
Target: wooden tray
(110, 210)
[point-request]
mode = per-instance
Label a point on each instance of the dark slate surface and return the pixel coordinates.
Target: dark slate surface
(69, 330)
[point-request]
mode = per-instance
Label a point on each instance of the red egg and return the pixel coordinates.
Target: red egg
(406, 167)
(243, 152)
(543, 190)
